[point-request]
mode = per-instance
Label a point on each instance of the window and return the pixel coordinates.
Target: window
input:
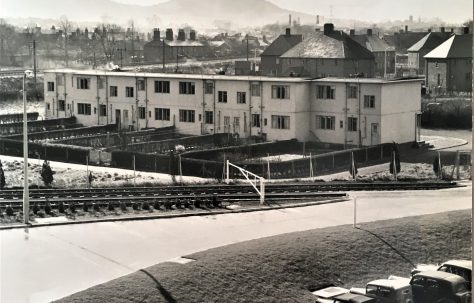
(325, 122)
(255, 88)
(209, 117)
(61, 105)
(352, 124)
(141, 112)
(255, 120)
(281, 122)
(100, 82)
(113, 91)
(222, 96)
(83, 109)
(241, 97)
(102, 110)
(129, 91)
(186, 115)
(186, 88)
(280, 92)
(325, 92)
(369, 101)
(162, 87)
(352, 92)
(140, 84)
(162, 114)
(209, 88)
(50, 86)
(60, 80)
(83, 83)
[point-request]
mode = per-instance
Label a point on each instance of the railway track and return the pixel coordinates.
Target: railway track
(220, 189)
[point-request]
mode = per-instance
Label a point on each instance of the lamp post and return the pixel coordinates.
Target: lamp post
(26, 202)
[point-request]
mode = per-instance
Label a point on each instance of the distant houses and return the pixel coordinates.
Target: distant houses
(270, 58)
(328, 53)
(425, 45)
(449, 66)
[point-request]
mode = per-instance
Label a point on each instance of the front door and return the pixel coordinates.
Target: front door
(374, 134)
(118, 118)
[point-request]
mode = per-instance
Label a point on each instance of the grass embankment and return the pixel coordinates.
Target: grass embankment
(284, 268)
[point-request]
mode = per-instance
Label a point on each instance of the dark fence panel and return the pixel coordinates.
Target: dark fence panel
(11, 118)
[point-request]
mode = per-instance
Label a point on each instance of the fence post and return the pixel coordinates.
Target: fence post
(180, 171)
(134, 175)
(333, 162)
(227, 181)
(155, 164)
(262, 190)
(311, 174)
(87, 172)
(458, 155)
(268, 169)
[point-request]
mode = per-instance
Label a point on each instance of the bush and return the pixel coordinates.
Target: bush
(146, 205)
(61, 207)
(9, 211)
(123, 206)
(47, 208)
(110, 206)
(72, 207)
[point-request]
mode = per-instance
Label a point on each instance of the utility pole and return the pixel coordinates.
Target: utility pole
(247, 48)
(34, 62)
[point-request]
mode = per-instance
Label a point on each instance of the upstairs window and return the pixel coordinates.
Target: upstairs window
(369, 101)
(280, 92)
(140, 84)
(255, 89)
(186, 88)
(209, 88)
(113, 91)
(222, 96)
(83, 83)
(352, 92)
(50, 86)
(241, 97)
(325, 92)
(162, 87)
(129, 91)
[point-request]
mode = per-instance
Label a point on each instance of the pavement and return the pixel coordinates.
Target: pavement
(47, 263)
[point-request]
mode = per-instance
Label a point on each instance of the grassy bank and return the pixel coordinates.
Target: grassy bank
(284, 268)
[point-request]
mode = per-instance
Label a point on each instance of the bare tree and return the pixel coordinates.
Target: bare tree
(66, 27)
(9, 42)
(107, 37)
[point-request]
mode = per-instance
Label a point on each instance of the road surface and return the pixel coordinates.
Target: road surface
(43, 264)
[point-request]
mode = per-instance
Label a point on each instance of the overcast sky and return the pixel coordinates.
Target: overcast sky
(377, 10)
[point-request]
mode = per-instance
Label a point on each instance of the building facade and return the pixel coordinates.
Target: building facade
(349, 111)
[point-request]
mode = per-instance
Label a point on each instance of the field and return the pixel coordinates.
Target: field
(287, 267)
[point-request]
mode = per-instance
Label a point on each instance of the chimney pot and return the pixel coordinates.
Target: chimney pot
(288, 31)
(352, 32)
(328, 28)
(181, 35)
(442, 29)
(156, 34)
(429, 30)
(466, 30)
(369, 32)
(192, 35)
(169, 34)
(406, 28)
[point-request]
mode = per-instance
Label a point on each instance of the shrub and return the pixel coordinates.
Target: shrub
(47, 208)
(72, 207)
(146, 205)
(35, 208)
(61, 207)
(110, 206)
(134, 206)
(85, 207)
(123, 206)
(156, 205)
(96, 207)
(9, 211)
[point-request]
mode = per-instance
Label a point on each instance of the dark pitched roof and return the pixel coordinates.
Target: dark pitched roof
(430, 41)
(458, 46)
(282, 44)
(336, 45)
(402, 41)
(372, 42)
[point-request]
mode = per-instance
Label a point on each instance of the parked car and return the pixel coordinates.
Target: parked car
(353, 298)
(461, 268)
(387, 290)
(327, 295)
(439, 287)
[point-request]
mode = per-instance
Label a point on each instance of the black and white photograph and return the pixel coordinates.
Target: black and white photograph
(214, 151)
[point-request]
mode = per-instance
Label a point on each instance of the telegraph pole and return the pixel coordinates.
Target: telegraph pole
(34, 61)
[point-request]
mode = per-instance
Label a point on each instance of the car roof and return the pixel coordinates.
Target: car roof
(330, 292)
(349, 297)
(441, 275)
(459, 263)
(395, 284)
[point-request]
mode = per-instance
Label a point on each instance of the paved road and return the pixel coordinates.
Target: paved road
(43, 264)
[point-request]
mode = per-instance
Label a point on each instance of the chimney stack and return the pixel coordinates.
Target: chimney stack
(156, 34)
(352, 32)
(288, 31)
(465, 30)
(429, 30)
(192, 35)
(169, 34)
(452, 30)
(369, 32)
(442, 29)
(290, 20)
(406, 28)
(328, 28)
(181, 35)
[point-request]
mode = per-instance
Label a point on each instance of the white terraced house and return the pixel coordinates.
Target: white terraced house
(349, 111)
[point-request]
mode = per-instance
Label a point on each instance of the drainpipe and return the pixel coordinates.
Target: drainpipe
(345, 118)
(137, 112)
(57, 95)
(65, 94)
(107, 100)
(261, 108)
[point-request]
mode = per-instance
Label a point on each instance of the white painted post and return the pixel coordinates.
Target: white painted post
(394, 166)
(26, 195)
(268, 169)
(87, 172)
(458, 158)
(440, 172)
(227, 180)
(262, 191)
(134, 175)
(311, 174)
(355, 212)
